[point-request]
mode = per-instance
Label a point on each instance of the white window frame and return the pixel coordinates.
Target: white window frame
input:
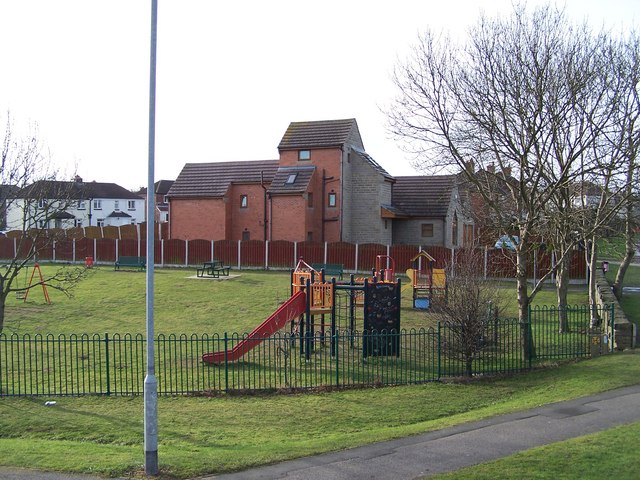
(131, 204)
(97, 205)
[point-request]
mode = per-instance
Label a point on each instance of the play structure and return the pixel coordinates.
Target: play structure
(318, 307)
(429, 284)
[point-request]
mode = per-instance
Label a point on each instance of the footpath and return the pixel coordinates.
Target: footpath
(439, 451)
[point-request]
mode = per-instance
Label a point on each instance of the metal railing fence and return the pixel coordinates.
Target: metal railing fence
(64, 365)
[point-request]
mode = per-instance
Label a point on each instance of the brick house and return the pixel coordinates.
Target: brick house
(324, 187)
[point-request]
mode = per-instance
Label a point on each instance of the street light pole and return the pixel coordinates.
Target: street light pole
(150, 382)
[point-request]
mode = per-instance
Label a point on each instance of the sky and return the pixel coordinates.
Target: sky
(231, 75)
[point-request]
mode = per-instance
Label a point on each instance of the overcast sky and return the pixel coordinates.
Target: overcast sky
(231, 75)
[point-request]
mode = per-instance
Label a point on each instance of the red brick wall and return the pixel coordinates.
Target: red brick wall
(327, 161)
(203, 218)
(250, 218)
(288, 218)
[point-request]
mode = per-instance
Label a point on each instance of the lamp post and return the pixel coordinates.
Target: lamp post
(150, 382)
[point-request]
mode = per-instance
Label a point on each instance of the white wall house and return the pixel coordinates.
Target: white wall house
(52, 204)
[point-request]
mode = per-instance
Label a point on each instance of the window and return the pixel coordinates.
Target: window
(246, 236)
(43, 224)
(81, 205)
(427, 229)
(332, 199)
(97, 205)
(133, 221)
(131, 204)
(116, 205)
(42, 203)
(77, 222)
(304, 155)
(310, 199)
(291, 178)
(244, 201)
(101, 222)
(165, 199)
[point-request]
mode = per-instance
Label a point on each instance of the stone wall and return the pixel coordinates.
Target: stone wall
(625, 330)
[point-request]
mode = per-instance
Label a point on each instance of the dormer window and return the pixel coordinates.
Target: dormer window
(304, 155)
(291, 178)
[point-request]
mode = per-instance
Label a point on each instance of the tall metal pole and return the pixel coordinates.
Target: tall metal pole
(150, 382)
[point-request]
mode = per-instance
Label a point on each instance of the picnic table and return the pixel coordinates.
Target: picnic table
(213, 269)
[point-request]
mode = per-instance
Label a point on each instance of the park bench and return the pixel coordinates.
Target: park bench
(330, 269)
(213, 269)
(135, 262)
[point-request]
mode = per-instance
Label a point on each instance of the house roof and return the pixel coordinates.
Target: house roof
(321, 134)
(422, 196)
(163, 186)
(213, 179)
(53, 189)
(291, 180)
(115, 214)
(369, 159)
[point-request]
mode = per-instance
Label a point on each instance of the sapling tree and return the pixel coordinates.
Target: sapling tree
(31, 197)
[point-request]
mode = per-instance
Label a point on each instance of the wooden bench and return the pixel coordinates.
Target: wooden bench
(135, 262)
(213, 269)
(330, 269)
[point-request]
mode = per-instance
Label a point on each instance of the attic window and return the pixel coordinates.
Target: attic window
(304, 155)
(291, 178)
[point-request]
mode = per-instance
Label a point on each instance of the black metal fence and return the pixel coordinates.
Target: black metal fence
(49, 365)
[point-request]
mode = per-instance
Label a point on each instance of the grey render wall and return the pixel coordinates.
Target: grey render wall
(409, 232)
(368, 190)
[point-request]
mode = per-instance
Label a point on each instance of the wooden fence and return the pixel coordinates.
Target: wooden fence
(280, 254)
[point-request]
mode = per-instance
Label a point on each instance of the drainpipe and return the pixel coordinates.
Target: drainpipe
(264, 213)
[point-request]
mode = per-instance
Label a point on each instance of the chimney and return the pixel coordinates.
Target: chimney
(491, 168)
(506, 171)
(78, 179)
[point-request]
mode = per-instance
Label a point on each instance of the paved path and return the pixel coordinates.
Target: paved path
(439, 451)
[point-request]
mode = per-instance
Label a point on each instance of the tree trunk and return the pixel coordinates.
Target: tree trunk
(562, 289)
(630, 251)
(523, 302)
(593, 294)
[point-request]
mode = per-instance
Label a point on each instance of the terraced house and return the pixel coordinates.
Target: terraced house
(324, 187)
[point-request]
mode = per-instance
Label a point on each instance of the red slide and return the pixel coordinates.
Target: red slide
(292, 308)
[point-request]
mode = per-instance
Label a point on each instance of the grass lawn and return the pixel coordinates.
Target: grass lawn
(200, 435)
(114, 302)
(608, 454)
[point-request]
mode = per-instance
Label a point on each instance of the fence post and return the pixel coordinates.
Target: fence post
(486, 261)
(212, 253)
(266, 254)
(239, 254)
(162, 251)
(325, 251)
(226, 362)
(295, 254)
(108, 376)
(186, 253)
(439, 366)
(117, 248)
(355, 264)
(336, 356)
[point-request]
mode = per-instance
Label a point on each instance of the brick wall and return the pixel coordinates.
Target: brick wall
(249, 219)
(198, 218)
(288, 218)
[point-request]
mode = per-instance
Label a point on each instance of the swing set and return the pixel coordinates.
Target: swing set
(23, 294)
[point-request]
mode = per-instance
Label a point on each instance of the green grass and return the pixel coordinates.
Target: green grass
(199, 435)
(612, 248)
(608, 454)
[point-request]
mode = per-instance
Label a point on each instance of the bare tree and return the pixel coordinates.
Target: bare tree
(628, 144)
(516, 109)
(29, 188)
(470, 314)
